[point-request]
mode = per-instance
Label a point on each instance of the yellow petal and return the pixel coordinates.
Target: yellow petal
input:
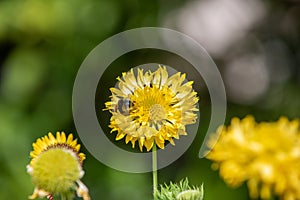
(149, 143)
(120, 135)
(141, 143)
(63, 137)
(70, 139)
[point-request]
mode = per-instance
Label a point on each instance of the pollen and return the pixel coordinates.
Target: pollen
(54, 177)
(157, 113)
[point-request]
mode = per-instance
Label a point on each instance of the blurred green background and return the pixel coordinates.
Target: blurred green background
(255, 44)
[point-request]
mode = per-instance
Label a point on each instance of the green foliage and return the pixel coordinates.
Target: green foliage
(42, 45)
(181, 191)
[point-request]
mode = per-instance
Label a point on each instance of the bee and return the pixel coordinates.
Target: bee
(124, 106)
(50, 197)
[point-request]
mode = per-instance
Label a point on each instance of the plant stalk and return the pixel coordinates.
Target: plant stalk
(154, 170)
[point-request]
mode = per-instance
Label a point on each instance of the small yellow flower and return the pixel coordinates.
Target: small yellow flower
(266, 155)
(151, 107)
(56, 166)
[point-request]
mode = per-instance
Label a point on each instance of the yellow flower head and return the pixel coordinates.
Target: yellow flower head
(265, 155)
(56, 166)
(151, 107)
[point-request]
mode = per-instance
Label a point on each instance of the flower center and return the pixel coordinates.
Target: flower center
(150, 104)
(157, 112)
(56, 170)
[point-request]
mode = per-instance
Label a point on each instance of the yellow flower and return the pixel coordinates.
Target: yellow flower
(56, 166)
(265, 155)
(151, 107)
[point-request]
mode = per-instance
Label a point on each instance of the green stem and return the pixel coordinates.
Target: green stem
(154, 170)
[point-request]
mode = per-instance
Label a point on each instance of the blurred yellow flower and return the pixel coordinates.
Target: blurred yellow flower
(151, 107)
(56, 167)
(265, 155)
